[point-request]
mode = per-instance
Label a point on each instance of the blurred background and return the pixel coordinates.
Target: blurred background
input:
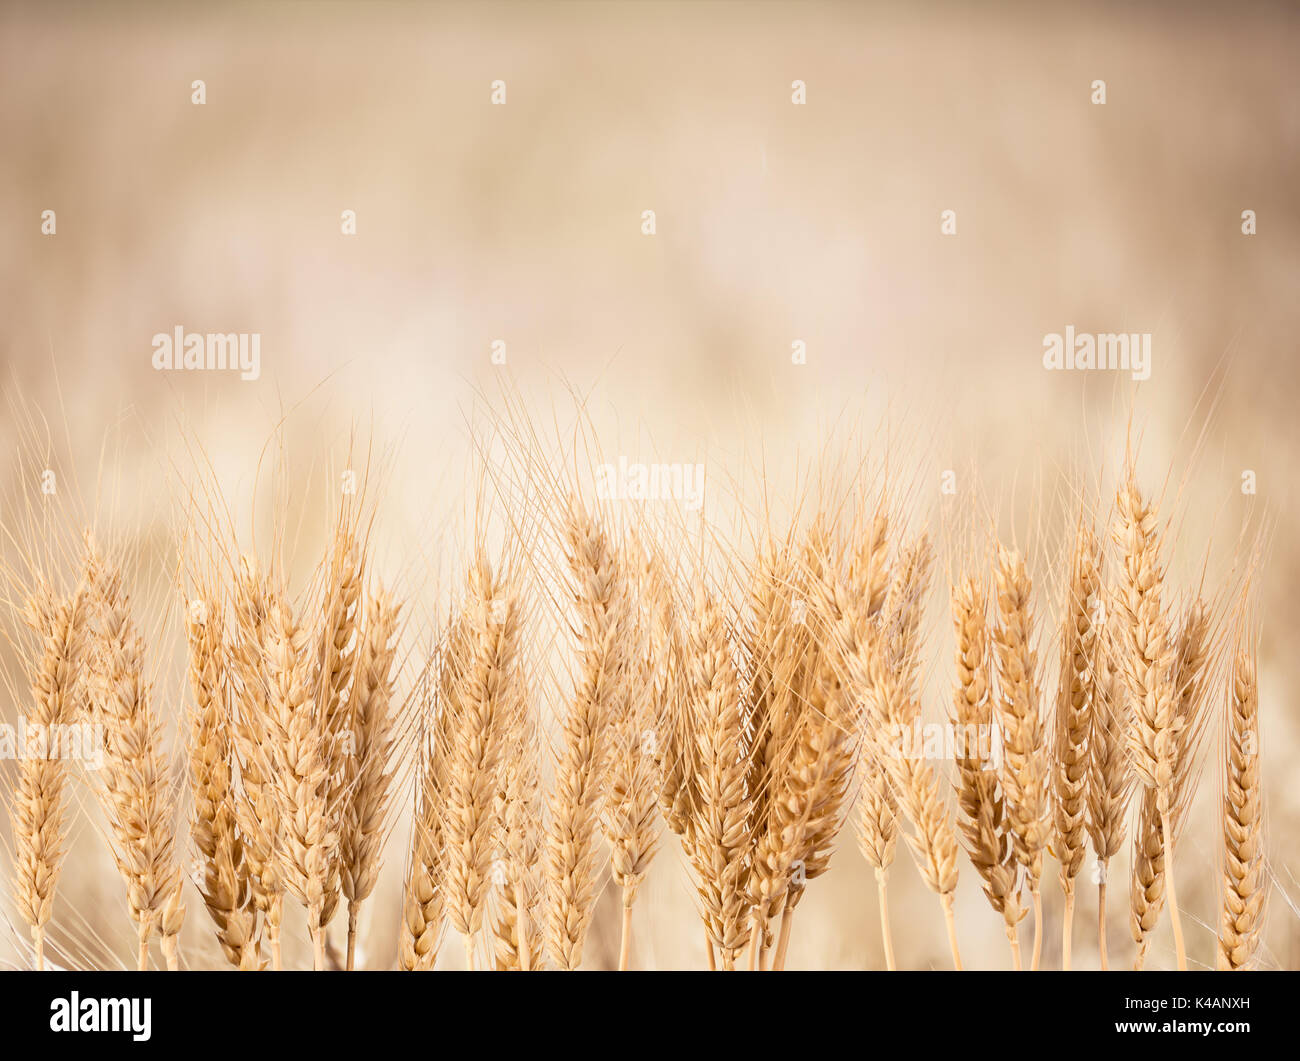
(774, 223)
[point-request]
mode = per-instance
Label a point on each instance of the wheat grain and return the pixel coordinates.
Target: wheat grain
(481, 706)
(1074, 712)
(336, 656)
(134, 793)
(521, 809)
(1109, 777)
(369, 769)
(1151, 860)
(225, 886)
(721, 831)
(306, 840)
(37, 814)
(1024, 760)
(423, 893)
(1245, 883)
(632, 817)
(979, 794)
(256, 808)
(599, 594)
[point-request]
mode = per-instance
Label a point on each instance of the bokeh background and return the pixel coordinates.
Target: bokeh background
(774, 223)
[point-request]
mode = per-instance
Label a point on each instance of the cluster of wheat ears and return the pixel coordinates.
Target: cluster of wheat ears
(753, 723)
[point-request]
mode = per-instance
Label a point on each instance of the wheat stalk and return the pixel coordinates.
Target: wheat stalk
(1024, 757)
(481, 706)
(225, 886)
(1155, 831)
(423, 892)
(337, 647)
(877, 828)
(37, 812)
(256, 808)
(819, 774)
(1074, 712)
(600, 598)
(368, 772)
(135, 794)
(721, 830)
(1245, 882)
(779, 642)
(1109, 777)
(306, 841)
(521, 810)
(979, 795)
(632, 817)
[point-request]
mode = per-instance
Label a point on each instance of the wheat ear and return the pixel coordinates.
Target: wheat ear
(1151, 858)
(337, 647)
(852, 614)
(632, 819)
(256, 808)
(722, 828)
(1245, 882)
(306, 842)
(135, 793)
(1074, 713)
(778, 649)
(520, 940)
(481, 706)
(225, 886)
(423, 892)
(1148, 664)
(1024, 758)
(1109, 777)
(599, 595)
(369, 769)
(979, 794)
(37, 812)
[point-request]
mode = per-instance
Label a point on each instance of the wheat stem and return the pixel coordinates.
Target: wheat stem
(886, 936)
(1174, 919)
(946, 900)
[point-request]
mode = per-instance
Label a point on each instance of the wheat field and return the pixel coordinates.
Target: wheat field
(563, 593)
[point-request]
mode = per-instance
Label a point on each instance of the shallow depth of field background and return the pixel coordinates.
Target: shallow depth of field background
(775, 223)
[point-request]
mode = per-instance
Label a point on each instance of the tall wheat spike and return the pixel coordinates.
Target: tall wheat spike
(37, 813)
(1025, 755)
(1151, 862)
(852, 614)
(779, 643)
(825, 743)
(521, 810)
(337, 647)
(368, 773)
(599, 595)
(256, 808)
(135, 793)
(481, 707)
(632, 819)
(980, 798)
(1074, 713)
(895, 701)
(307, 840)
(674, 742)
(1148, 665)
(1109, 776)
(424, 890)
(225, 886)
(1245, 879)
(721, 831)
